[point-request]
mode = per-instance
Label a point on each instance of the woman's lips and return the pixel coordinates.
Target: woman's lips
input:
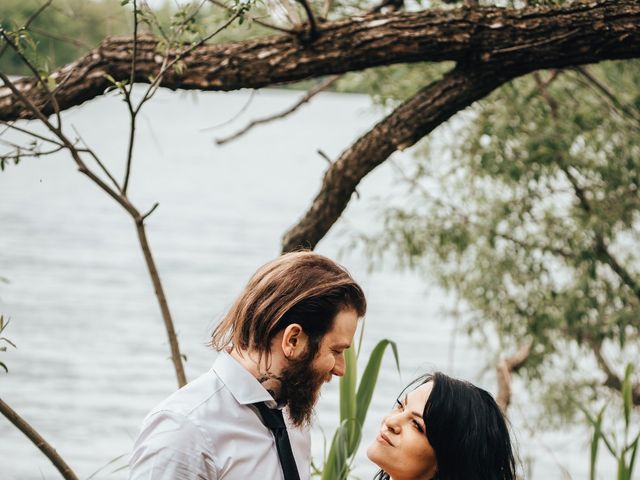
(382, 437)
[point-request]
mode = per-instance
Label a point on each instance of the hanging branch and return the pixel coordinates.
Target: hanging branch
(276, 116)
(612, 380)
(256, 19)
(600, 246)
(410, 122)
(37, 439)
(505, 368)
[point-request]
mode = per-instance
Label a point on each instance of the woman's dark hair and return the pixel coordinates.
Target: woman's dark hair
(467, 431)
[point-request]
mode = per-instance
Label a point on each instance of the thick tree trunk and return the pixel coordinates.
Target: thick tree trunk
(540, 37)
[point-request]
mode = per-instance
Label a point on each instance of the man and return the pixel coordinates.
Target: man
(280, 341)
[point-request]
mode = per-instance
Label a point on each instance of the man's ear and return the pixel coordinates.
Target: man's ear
(294, 341)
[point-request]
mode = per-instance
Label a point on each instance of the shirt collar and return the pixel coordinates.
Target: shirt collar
(244, 387)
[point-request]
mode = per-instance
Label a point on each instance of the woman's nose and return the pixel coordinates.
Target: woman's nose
(392, 422)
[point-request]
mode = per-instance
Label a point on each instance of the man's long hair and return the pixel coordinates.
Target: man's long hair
(299, 287)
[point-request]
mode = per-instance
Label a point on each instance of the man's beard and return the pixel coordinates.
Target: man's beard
(300, 388)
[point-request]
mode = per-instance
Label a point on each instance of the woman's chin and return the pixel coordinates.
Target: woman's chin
(373, 453)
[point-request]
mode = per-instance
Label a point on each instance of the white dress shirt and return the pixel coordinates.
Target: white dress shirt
(208, 430)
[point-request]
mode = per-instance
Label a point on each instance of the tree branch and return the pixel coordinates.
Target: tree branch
(529, 38)
(260, 121)
(600, 247)
(505, 367)
(602, 89)
(37, 439)
(414, 119)
(612, 381)
(57, 36)
(257, 20)
(313, 28)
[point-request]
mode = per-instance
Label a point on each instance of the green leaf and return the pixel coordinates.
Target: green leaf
(348, 387)
(595, 442)
(370, 377)
(336, 467)
(51, 83)
(622, 469)
(348, 395)
(627, 394)
(594, 424)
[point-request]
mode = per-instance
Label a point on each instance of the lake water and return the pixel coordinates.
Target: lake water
(92, 356)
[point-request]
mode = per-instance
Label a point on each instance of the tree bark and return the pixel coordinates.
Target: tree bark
(405, 126)
(541, 37)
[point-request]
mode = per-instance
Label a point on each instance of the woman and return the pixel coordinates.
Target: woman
(445, 429)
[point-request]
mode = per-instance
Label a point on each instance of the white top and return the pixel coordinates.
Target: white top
(208, 430)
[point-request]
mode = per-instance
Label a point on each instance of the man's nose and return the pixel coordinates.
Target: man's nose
(338, 368)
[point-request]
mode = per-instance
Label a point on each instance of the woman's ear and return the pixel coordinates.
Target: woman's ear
(294, 341)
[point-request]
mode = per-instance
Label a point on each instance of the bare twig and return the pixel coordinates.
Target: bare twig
(600, 245)
(37, 439)
(29, 21)
(167, 65)
(542, 87)
(135, 45)
(601, 88)
(325, 156)
(260, 121)
(506, 367)
(36, 74)
(95, 157)
(256, 19)
(28, 132)
(612, 380)
(289, 11)
(144, 217)
(30, 153)
(236, 115)
(313, 28)
(326, 8)
(127, 96)
(57, 36)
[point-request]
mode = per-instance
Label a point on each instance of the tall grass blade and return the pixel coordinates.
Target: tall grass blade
(595, 442)
(627, 397)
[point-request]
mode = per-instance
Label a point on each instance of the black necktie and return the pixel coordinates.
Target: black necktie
(273, 420)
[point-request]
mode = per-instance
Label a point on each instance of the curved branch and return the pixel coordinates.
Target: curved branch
(540, 37)
(410, 122)
(612, 379)
(507, 366)
(37, 439)
(276, 116)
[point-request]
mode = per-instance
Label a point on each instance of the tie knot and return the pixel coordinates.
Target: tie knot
(272, 417)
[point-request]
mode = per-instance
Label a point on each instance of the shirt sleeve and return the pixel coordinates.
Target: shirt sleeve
(170, 446)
